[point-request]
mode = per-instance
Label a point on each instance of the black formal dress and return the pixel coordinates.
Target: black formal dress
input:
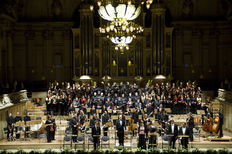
(184, 140)
(142, 139)
(96, 132)
(49, 129)
(173, 133)
(120, 126)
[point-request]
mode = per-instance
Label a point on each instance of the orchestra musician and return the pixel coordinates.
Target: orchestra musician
(10, 127)
(221, 121)
(49, 128)
(190, 124)
(96, 132)
(18, 118)
(53, 128)
(27, 127)
(105, 119)
(172, 133)
(74, 125)
(120, 126)
(142, 138)
(184, 132)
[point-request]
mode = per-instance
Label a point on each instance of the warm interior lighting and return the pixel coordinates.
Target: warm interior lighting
(160, 77)
(106, 78)
(85, 77)
(138, 78)
(127, 9)
(121, 32)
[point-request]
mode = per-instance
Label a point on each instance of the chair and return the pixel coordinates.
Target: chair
(80, 142)
(67, 141)
(42, 136)
(90, 141)
(105, 141)
(38, 118)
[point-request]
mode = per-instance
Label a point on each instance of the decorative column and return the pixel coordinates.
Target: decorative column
(158, 26)
(86, 38)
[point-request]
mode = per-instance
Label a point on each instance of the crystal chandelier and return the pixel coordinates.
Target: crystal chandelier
(126, 9)
(120, 13)
(121, 32)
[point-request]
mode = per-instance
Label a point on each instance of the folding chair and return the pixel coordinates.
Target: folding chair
(80, 142)
(90, 141)
(105, 141)
(67, 141)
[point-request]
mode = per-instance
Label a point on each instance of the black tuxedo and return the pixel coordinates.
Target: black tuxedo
(174, 132)
(190, 126)
(10, 128)
(120, 125)
(184, 140)
(96, 132)
(73, 124)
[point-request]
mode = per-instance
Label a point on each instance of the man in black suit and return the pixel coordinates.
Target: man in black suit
(190, 123)
(120, 126)
(10, 126)
(27, 127)
(173, 133)
(73, 123)
(184, 131)
(96, 132)
(18, 118)
(221, 121)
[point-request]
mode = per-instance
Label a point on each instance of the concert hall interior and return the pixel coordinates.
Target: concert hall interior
(116, 76)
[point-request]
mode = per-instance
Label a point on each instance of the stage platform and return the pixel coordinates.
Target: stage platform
(37, 144)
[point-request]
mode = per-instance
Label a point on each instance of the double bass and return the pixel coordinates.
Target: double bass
(215, 127)
(207, 126)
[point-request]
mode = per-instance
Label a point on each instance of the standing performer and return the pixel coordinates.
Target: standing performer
(49, 128)
(105, 119)
(120, 126)
(173, 133)
(142, 139)
(190, 124)
(184, 133)
(18, 118)
(27, 127)
(74, 127)
(96, 132)
(10, 127)
(53, 128)
(221, 121)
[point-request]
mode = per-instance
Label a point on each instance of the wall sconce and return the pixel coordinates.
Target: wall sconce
(114, 63)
